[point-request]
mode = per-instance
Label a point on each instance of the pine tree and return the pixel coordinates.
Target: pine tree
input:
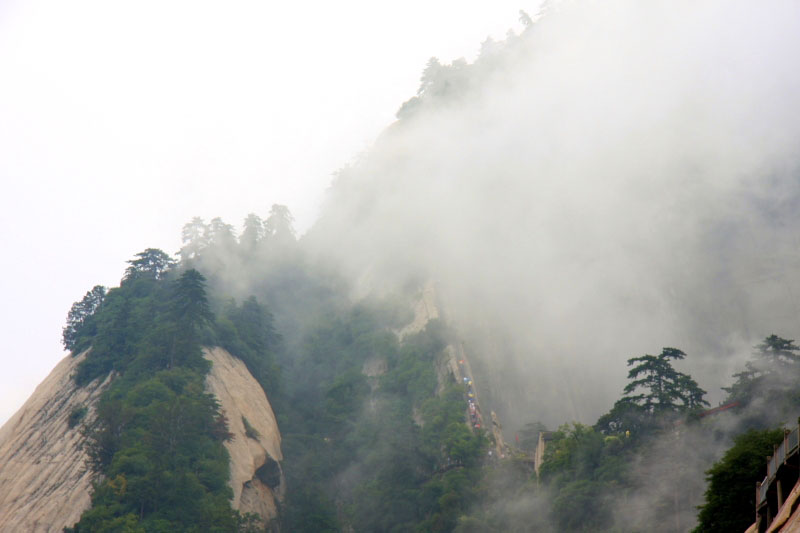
(195, 239)
(279, 225)
(778, 351)
(664, 388)
(656, 390)
(773, 369)
(252, 233)
(190, 307)
(151, 263)
(79, 316)
(189, 313)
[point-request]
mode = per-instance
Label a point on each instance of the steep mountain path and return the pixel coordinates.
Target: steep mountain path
(454, 365)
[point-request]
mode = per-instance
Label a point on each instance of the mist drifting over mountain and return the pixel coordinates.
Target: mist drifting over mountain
(620, 177)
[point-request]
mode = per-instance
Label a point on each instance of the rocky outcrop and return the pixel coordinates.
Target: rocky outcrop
(45, 484)
(452, 365)
(256, 476)
(447, 369)
(425, 310)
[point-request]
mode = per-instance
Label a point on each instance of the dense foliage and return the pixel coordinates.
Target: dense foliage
(157, 437)
(373, 440)
(377, 451)
(590, 474)
(380, 453)
(730, 498)
(585, 469)
(593, 473)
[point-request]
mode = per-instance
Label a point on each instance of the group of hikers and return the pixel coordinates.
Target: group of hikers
(473, 410)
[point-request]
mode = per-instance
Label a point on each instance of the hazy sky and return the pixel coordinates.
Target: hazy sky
(119, 121)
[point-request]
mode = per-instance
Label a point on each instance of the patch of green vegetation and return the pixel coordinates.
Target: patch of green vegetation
(396, 480)
(249, 431)
(158, 436)
(77, 414)
(730, 498)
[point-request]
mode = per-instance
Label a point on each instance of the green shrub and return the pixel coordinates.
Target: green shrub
(77, 414)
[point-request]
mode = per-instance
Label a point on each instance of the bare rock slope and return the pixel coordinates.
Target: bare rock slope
(256, 477)
(45, 483)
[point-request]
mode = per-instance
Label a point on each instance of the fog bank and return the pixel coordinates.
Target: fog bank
(618, 178)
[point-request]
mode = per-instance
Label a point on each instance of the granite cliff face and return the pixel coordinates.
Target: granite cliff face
(256, 476)
(45, 483)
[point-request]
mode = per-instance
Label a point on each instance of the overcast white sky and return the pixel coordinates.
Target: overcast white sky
(119, 121)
